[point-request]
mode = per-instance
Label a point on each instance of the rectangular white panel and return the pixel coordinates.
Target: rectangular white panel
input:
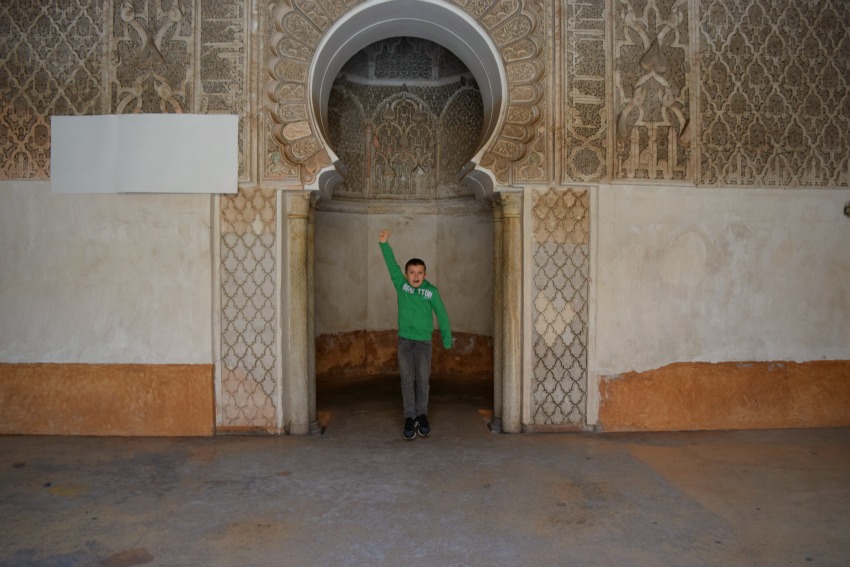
(144, 153)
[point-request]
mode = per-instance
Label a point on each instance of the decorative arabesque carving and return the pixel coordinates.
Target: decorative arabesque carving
(248, 310)
(51, 63)
(404, 144)
(585, 84)
(151, 50)
(349, 139)
(651, 93)
(775, 107)
(460, 133)
(518, 29)
(398, 141)
(515, 27)
(561, 275)
(534, 165)
(224, 61)
(299, 26)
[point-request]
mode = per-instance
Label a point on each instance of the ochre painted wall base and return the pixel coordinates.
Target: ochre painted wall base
(107, 399)
(728, 395)
(375, 353)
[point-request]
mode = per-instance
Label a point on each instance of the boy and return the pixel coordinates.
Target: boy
(417, 299)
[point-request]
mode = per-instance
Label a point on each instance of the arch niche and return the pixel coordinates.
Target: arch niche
(497, 43)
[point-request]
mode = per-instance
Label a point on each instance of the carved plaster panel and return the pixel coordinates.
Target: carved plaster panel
(94, 57)
(586, 84)
(151, 57)
(534, 89)
(651, 89)
(561, 272)
(224, 60)
(405, 117)
(249, 308)
(274, 164)
(51, 63)
(775, 93)
(517, 28)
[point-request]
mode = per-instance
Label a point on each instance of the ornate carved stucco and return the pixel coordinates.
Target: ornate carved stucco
(712, 92)
(405, 116)
(249, 306)
(559, 309)
(584, 144)
(151, 46)
(123, 56)
(51, 62)
(652, 74)
(517, 28)
(775, 93)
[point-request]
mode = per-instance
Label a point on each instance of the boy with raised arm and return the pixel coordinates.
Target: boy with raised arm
(418, 300)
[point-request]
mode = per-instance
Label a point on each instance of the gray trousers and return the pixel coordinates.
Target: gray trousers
(414, 362)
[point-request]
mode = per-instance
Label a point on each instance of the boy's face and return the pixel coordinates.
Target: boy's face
(415, 275)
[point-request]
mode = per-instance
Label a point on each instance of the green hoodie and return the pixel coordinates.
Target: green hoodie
(415, 305)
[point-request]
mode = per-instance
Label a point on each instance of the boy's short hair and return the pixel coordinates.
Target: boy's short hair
(414, 262)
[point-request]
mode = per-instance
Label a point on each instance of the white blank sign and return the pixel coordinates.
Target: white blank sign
(144, 153)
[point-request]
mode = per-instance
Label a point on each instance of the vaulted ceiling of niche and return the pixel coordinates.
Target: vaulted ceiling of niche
(404, 116)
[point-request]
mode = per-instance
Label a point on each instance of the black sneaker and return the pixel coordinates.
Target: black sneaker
(409, 429)
(422, 426)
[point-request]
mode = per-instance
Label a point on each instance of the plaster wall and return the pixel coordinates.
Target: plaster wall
(104, 278)
(356, 312)
(713, 275)
(354, 292)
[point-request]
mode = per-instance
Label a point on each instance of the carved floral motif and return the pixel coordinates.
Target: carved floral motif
(51, 63)
(775, 108)
(400, 141)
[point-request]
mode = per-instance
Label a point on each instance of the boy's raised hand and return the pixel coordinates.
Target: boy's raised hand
(384, 236)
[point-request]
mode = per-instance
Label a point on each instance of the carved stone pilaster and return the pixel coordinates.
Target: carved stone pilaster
(311, 316)
(496, 423)
(511, 312)
(296, 349)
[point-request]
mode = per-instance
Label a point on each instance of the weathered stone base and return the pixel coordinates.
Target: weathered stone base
(375, 353)
(107, 399)
(729, 395)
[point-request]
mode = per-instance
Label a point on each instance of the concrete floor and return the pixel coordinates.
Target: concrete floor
(361, 495)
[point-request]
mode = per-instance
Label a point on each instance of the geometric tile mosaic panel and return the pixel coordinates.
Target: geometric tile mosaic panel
(249, 365)
(561, 270)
